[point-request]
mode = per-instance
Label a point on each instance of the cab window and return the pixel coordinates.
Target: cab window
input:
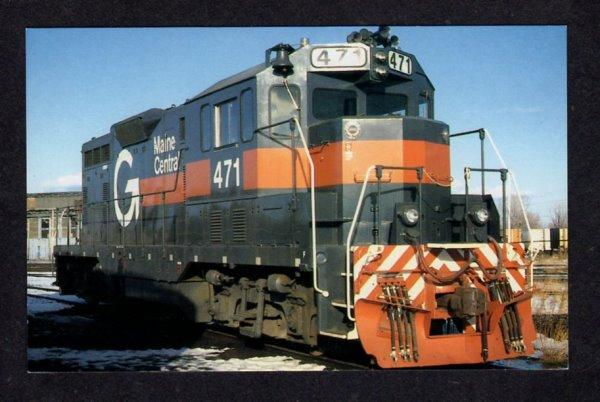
(379, 104)
(206, 126)
(247, 114)
(425, 106)
(333, 103)
(281, 106)
(227, 123)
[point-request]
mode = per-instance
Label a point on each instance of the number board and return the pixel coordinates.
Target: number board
(341, 56)
(400, 62)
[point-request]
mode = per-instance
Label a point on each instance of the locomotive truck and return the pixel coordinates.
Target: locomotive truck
(307, 197)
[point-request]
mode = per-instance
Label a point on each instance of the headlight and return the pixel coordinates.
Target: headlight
(481, 216)
(381, 71)
(410, 217)
(381, 56)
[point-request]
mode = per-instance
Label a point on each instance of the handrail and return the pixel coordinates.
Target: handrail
(482, 134)
(379, 169)
(503, 175)
(349, 240)
(313, 208)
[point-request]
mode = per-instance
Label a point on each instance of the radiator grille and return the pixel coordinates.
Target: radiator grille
(184, 180)
(216, 226)
(238, 221)
(105, 191)
(104, 214)
(85, 208)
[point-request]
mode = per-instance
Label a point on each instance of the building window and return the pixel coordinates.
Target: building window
(44, 228)
(64, 227)
(206, 126)
(281, 106)
(33, 228)
(247, 114)
(227, 123)
(380, 104)
(74, 228)
(333, 103)
(182, 128)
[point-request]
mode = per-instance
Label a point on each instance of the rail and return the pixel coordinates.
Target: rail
(379, 170)
(503, 176)
(482, 134)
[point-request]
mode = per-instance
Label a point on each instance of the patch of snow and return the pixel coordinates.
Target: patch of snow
(38, 306)
(57, 296)
(520, 363)
(542, 342)
(42, 282)
(183, 359)
(265, 363)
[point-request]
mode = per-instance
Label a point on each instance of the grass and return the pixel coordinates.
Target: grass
(553, 329)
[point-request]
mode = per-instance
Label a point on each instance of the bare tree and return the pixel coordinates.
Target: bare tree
(517, 221)
(559, 216)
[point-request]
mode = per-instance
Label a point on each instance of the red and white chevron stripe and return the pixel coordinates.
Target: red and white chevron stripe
(373, 261)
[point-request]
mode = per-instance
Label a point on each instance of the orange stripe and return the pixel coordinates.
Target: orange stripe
(337, 163)
(198, 178)
(197, 183)
(159, 184)
(344, 163)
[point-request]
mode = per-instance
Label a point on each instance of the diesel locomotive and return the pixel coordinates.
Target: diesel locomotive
(308, 197)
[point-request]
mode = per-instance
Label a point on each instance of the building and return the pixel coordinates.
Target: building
(52, 218)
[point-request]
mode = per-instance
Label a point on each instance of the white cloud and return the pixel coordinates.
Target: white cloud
(67, 182)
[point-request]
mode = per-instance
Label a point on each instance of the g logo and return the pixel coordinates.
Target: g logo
(132, 187)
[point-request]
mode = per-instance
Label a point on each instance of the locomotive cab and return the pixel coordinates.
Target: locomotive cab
(386, 116)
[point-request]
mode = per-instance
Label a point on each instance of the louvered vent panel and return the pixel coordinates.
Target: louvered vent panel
(105, 191)
(85, 208)
(238, 221)
(216, 226)
(104, 214)
(184, 183)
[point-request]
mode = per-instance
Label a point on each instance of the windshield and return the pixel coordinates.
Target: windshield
(332, 96)
(379, 104)
(332, 103)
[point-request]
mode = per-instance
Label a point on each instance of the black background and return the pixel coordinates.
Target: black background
(579, 381)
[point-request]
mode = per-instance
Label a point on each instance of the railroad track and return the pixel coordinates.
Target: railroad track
(42, 288)
(550, 276)
(40, 275)
(293, 351)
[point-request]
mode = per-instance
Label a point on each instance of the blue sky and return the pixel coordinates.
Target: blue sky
(510, 80)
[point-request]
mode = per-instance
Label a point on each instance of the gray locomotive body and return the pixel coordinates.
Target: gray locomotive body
(208, 206)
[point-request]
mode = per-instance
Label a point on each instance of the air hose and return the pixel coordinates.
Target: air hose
(441, 280)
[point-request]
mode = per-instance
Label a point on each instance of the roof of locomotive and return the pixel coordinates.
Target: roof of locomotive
(234, 79)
